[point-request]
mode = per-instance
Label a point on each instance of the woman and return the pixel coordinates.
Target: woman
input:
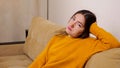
(73, 47)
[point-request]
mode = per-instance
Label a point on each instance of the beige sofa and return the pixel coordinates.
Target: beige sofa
(40, 31)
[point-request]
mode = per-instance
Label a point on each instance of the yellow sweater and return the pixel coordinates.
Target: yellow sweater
(67, 52)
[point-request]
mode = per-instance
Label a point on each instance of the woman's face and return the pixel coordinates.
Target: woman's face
(76, 25)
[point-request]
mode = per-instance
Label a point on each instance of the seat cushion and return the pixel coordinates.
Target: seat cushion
(40, 31)
(18, 61)
(105, 59)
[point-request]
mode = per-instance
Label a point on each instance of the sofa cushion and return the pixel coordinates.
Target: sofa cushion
(18, 61)
(105, 59)
(40, 31)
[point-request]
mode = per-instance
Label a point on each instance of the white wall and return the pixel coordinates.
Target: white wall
(43, 8)
(107, 12)
(15, 17)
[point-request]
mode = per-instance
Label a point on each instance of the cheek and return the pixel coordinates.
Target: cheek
(80, 31)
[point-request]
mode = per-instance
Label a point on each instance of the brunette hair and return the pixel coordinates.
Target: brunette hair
(89, 19)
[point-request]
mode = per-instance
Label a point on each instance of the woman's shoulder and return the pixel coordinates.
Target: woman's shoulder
(58, 36)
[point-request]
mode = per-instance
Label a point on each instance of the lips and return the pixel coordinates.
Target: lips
(69, 28)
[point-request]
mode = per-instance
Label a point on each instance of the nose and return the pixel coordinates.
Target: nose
(72, 24)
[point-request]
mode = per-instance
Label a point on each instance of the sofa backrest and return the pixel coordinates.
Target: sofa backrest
(106, 59)
(39, 33)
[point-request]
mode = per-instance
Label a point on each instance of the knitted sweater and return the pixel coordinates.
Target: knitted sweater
(68, 52)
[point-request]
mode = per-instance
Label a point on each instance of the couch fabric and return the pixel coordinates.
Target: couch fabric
(39, 34)
(40, 31)
(106, 59)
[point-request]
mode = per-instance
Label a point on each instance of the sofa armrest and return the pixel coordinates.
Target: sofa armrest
(106, 59)
(14, 49)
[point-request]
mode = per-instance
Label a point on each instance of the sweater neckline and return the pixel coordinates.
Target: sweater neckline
(69, 37)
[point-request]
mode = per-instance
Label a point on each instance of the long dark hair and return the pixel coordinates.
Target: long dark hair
(89, 19)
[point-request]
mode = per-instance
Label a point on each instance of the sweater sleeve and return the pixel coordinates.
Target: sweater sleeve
(42, 57)
(104, 38)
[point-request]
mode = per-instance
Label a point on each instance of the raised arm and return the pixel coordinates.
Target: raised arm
(104, 38)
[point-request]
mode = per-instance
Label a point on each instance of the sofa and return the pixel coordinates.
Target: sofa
(39, 33)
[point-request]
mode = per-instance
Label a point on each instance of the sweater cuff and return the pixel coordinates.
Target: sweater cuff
(93, 27)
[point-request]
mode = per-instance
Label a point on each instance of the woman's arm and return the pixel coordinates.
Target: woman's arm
(42, 57)
(104, 38)
(40, 60)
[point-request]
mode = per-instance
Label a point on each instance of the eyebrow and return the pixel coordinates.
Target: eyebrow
(78, 21)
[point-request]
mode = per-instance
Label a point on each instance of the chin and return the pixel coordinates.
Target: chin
(67, 31)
